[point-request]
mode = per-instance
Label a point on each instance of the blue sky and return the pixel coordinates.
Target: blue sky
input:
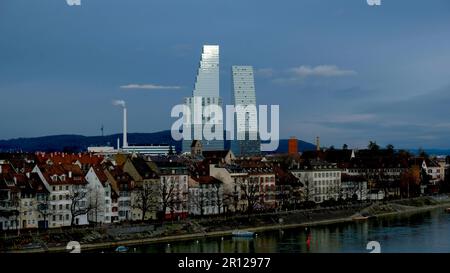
(342, 70)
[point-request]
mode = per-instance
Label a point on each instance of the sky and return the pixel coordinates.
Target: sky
(339, 69)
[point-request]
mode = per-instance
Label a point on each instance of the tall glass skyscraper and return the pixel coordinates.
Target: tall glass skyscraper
(246, 140)
(206, 92)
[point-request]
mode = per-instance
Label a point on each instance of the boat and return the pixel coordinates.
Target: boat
(122, 249)
(360, 218)
(243, 233)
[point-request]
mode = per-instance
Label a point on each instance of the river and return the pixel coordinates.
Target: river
(421, 232)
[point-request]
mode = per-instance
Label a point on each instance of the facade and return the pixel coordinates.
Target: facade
(9, 198)
(354, 187)
(172, 189)
(246, 141)
(68, 194)
(99, 196)
(205, 196)
(145, 176)
(122, 185)
(149, 149)
(232, 176)
(206, 92)
(322, 180)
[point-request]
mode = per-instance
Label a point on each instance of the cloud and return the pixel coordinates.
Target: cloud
(265, 72)
(149, 86)
(321, 71)
(350, 118)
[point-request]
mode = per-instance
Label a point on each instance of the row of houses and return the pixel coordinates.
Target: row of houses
(49, 190)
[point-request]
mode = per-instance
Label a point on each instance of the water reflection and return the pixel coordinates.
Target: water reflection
(425, 232)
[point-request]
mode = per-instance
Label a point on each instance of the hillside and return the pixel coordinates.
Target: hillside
(77, 143)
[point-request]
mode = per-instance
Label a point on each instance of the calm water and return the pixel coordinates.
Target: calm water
(425, 232)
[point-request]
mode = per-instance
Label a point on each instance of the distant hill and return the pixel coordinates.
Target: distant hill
(78, 143)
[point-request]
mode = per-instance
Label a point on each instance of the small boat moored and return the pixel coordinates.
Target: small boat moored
(243, 233)
(360, 218)
(122, 249)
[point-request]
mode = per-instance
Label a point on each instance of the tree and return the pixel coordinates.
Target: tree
(250, 193)
(78, 206)
(373, 146)
(390, 147)
(43, 208)
(165, 192)
(145, 200)
(96, 201)
(410, 182)
(218, 194)
(345, 147)
(332, 148)
(198, 200)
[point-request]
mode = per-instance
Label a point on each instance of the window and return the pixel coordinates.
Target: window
(67, 206)
(60, 207)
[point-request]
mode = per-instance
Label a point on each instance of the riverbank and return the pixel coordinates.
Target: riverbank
(260, 223)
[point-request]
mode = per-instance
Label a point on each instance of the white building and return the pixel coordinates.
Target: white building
(67, 185)
(322, 180)
(244, 98)
(205, 196)
(99, 195)
(206, 92)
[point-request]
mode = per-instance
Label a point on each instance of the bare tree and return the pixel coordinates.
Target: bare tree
(218, 196)
(145, 199)
(78, 206)
(166, 194)
(250, 193)
(198, 200)
(96, 204)
(43, 208)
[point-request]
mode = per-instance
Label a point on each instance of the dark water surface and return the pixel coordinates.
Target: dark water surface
(422, 232)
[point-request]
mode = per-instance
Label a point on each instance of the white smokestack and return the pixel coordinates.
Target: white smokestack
(118, 144)
(123, 105)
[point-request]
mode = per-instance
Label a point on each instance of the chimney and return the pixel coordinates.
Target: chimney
(293, 146)
(125, 141)
(70, 174)
(317, 143)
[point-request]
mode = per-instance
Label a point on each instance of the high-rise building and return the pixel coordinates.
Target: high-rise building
(246, 140)
(206, 92)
